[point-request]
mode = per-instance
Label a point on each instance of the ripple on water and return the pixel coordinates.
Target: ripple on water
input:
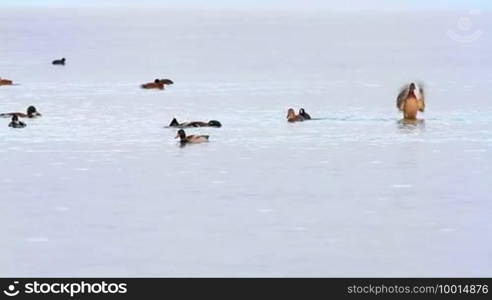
(402, 186)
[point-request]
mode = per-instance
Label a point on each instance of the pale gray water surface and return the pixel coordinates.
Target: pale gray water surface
(97, 186)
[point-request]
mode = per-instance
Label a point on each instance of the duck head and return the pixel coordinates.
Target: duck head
(214, 123)
(302, 111)
(15, 119)
(157, 81)
(411, 89)
(291, 113)
(32, 112)
(181, 134)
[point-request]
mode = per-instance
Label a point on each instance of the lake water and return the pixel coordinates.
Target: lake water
(98, 186)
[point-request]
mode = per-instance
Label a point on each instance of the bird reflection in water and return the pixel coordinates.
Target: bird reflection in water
(406, 125)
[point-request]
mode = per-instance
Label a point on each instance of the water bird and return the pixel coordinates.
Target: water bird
(31, 112)
(15, 123)
(211, 123)
(59, 61)
(157, 84)
(4, 81)
(292, 117)
(304, 114)
(411, 100)
(191, 139)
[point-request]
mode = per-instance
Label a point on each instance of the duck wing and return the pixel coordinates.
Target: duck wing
(402, 96)
(197, 138)
(421, 97)
(193, 124)
(9, 115)
(166, 81)
(198, 124)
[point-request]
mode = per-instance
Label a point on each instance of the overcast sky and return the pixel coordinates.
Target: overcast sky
(273, 4)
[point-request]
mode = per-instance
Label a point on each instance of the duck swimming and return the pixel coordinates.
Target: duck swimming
(292, 117)
(4, 81)
(157, 84)
(410, 101)
(31, 113)
(304, 114)
(211, 123)
(190, 139)
(59, 61)
(15, 123)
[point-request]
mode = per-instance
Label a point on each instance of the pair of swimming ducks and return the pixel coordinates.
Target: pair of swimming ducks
(292, 117)
(193, 139)
(15, 122)
(157, 84)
